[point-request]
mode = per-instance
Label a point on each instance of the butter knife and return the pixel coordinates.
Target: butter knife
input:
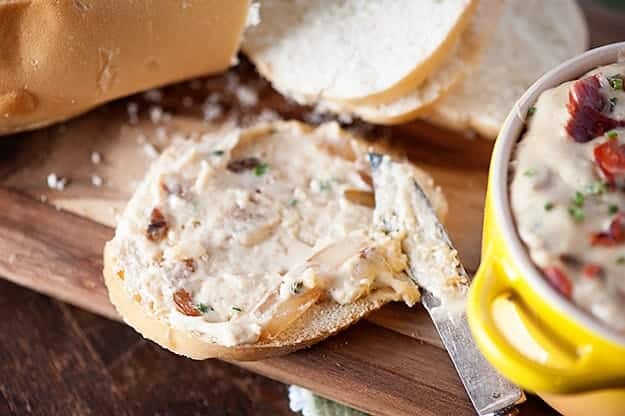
(402, 205)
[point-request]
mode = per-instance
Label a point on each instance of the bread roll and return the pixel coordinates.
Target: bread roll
(61, 58)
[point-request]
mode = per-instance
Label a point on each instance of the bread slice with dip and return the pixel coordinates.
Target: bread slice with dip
(256, 243)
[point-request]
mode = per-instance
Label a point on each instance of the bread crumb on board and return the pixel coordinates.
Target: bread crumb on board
(97, 181)
(96, 158)
(56, 182)
(247, 96)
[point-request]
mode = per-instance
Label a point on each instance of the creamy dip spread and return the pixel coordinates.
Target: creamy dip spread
(234, 237)
(568, 191)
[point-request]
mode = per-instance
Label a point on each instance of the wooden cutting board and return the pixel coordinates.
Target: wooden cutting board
(391, 364)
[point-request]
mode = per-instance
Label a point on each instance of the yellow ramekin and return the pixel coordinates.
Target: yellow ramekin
(527, 331)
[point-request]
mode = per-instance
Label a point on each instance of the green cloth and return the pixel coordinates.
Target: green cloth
(309, 404)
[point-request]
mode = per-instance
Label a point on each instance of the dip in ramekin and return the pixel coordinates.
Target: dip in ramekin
(568, 191)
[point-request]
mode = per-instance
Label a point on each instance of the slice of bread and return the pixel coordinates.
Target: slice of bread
(230, 230)
(533, 36)
(354, 51)
(459, 64)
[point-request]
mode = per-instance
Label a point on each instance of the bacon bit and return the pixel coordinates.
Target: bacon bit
(157, 229)
(592, 271)
(610, 157)
(184, 304)
(190, 265)
(241, 165)
(559, 281)
(356, 196)
(586, 106)
(615, 234)
(366, 178)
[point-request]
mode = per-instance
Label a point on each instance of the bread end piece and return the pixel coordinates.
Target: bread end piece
(62, 58)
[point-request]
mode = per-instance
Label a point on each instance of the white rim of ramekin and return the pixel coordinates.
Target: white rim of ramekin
(508, 137)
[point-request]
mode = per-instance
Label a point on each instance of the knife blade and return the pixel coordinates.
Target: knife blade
(403, 206)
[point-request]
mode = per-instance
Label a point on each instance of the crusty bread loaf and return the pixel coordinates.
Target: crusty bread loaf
(363, 52)
(323, 318)
(61, 58)
(533, 36)
(460, 62)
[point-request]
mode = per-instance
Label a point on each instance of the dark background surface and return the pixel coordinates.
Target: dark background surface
(58, 360)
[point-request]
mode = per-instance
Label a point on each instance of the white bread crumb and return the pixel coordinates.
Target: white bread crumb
(156, 114)
(247, 96)
(253, 15)
(97, 180)
(211, 110)
(56, 182)
(96, 158)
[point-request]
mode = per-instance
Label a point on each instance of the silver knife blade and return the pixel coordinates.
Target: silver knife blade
(407, 207)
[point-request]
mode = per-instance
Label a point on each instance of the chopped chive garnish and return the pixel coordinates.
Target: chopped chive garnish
(531, 111)
(616, 82)
(577, 214)
(612, 134)
(292, 202)
(529, 173)
(620, 260)
(578, 199)
(218, 153)
(613, 209)
(549, 206)
(261, 169)
(234, 308)
(202, 307)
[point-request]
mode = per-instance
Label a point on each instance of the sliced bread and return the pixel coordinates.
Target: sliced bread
(533, 36)
(353, 51)
(459, 64)
(256, 243)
